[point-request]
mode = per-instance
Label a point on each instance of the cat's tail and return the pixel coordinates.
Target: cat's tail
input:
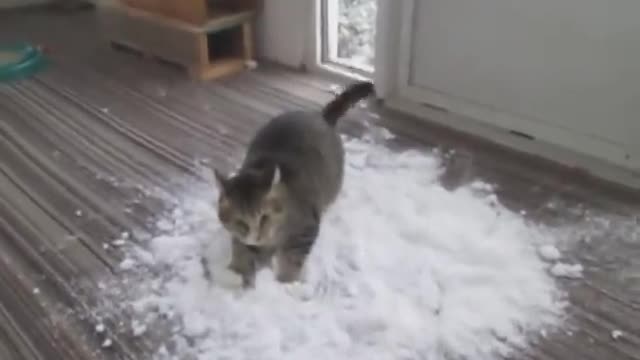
(349, 97)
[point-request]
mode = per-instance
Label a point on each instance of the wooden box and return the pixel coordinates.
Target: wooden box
(220, 47)
(197, 12)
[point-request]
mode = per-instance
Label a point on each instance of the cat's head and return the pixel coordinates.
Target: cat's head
(252, 205)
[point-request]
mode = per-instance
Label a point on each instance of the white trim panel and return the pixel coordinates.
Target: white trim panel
(598, 148)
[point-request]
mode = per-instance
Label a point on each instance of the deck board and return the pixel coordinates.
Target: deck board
(96, 116)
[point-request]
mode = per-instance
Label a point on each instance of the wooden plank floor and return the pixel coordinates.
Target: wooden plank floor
(96, 115)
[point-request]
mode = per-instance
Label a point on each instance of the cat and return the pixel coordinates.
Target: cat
(292, 172)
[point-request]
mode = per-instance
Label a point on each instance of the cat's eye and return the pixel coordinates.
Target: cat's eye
(223, 215)
(276, 206)
(241, 227)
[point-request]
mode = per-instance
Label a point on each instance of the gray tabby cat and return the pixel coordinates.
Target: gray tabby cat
(292, 172)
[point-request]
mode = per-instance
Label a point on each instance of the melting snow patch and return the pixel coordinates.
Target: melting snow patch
(616, 334)
(403, 269)
(127, 264)
(549, 252)
(100, 328)
(138, 328)
(481, 186)
(118, 242)
(571, 271)
(336, 89)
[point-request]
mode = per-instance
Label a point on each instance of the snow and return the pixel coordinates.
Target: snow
(107, 343)
(356, 31)
(549, 253)
(571, 271)
(481, 186)
(122, 240)
(118, 242)
(127, 264)
(100, 328)
(616, 334)
(138, 328)
(403, 269)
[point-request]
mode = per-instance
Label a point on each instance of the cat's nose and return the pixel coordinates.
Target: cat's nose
(252, 239)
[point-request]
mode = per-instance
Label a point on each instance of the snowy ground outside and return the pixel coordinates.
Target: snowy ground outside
(403, 269)
(356, 32)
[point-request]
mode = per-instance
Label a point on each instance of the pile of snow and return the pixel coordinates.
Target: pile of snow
(403, 269)
(551, 254)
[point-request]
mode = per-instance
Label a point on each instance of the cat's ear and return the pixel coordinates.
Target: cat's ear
(276, 176)
(221, 179)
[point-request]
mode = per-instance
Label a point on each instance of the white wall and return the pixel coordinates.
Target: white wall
(282, 29)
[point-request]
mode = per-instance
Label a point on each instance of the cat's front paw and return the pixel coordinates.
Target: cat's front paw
(288, 277)
(225, 278)
(248, 278)
(235, 268)
(248, 282)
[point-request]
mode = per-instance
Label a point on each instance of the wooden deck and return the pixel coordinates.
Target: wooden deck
(96, 114)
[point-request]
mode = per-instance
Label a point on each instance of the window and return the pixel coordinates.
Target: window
(348, 34)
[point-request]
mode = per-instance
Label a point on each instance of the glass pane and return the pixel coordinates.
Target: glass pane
(350, 35)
